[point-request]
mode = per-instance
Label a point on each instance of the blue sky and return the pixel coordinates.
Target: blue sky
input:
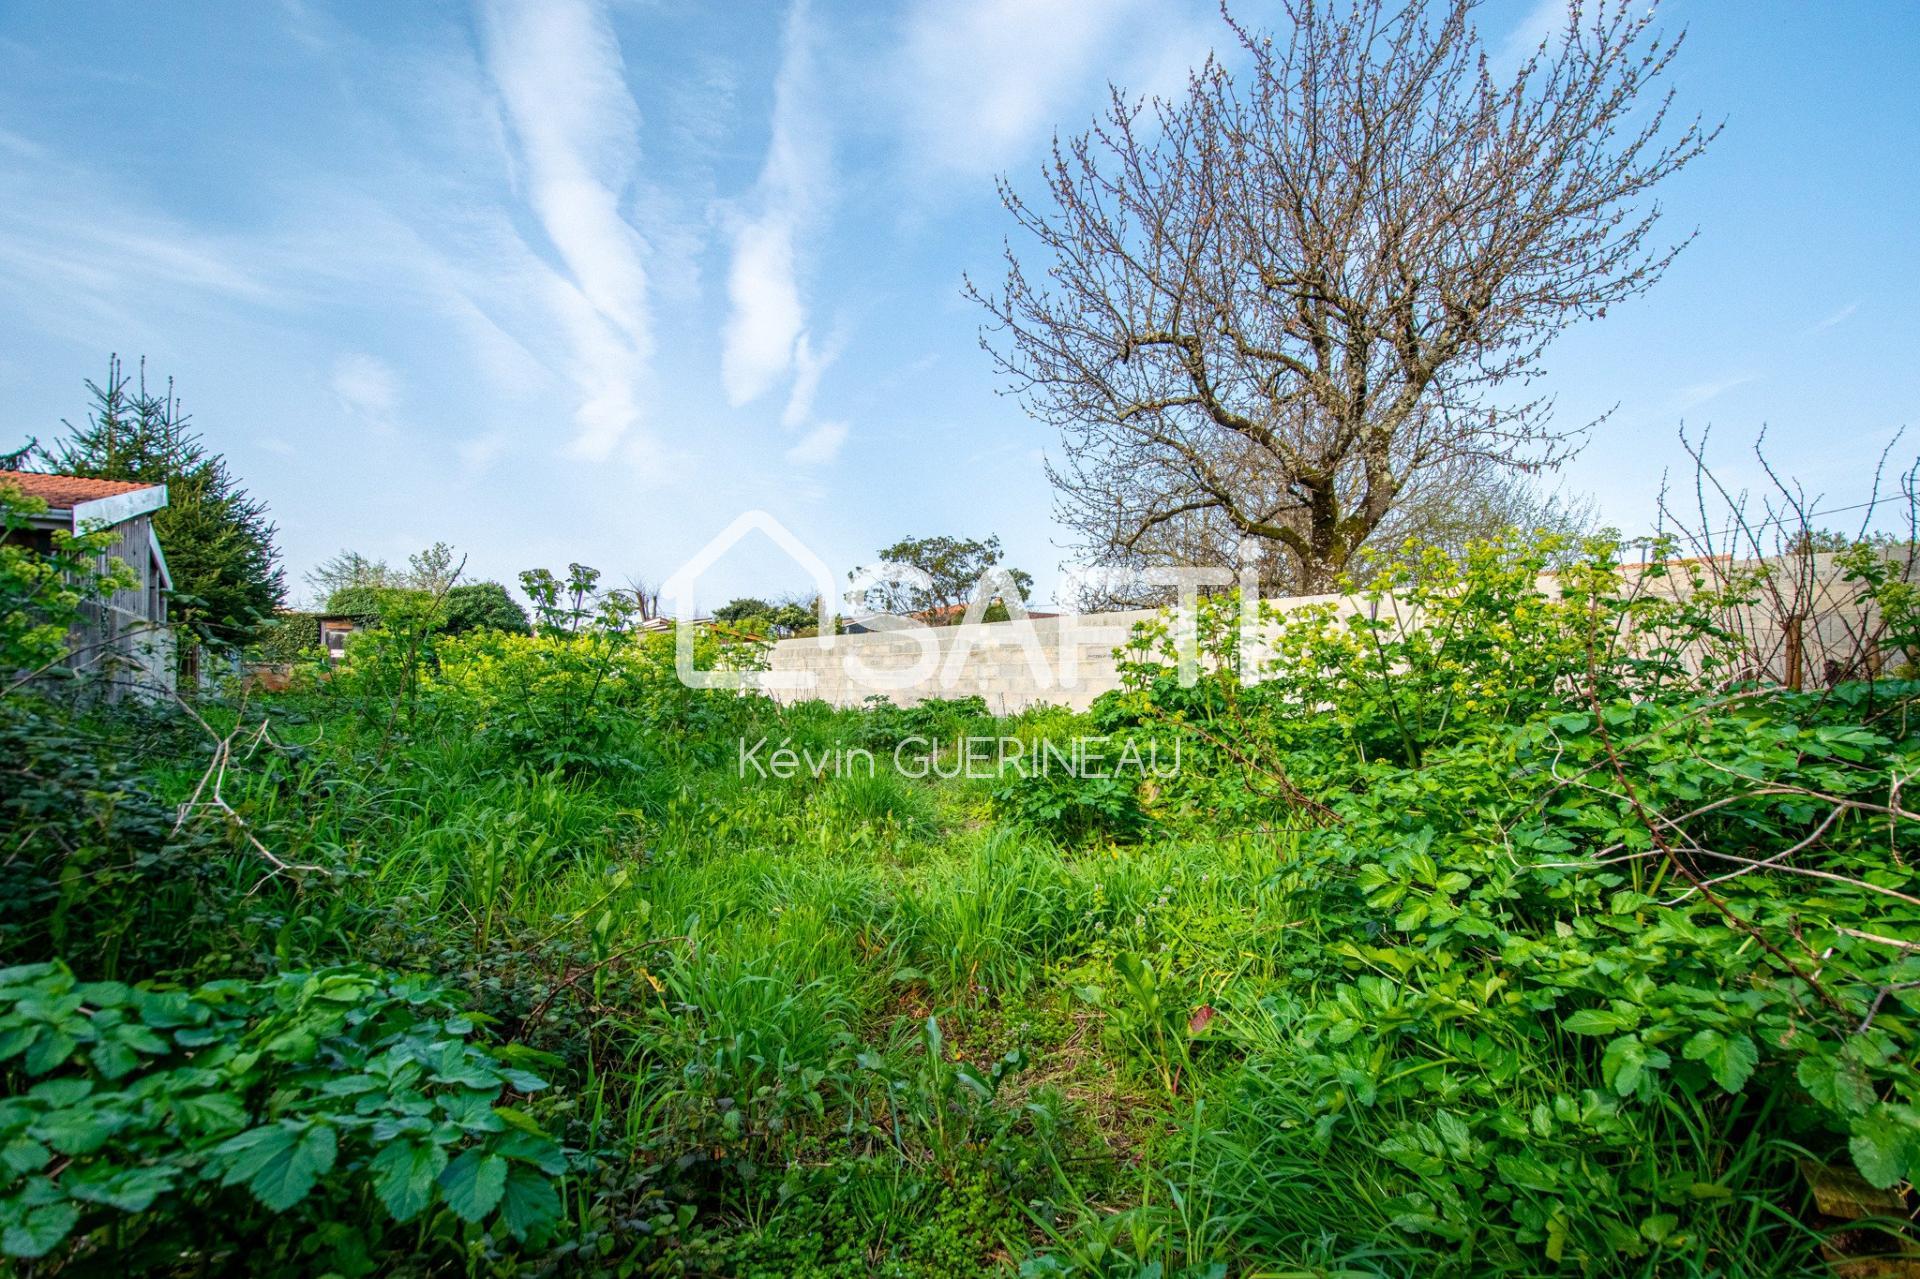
(573, 280)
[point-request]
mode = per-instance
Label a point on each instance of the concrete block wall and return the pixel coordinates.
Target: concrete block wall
(1069, 660)
(1057, 661)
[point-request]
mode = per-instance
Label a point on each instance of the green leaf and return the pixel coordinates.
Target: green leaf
(403, 1177)
(77, 1131)
(166, 1009)
(15, 1040)
(1731, 1059)
(21, 973)
(39, 1230)
(1884, 1146)
(533, 1147)
(140, 1039)
(103, 994)
(529, 1200)
(1835, 1083)
(49, 1050)
(1627, 1061)
(1593, 1021)
(280, 1164)
(57, 1094)
(210, 1112)
(24, 1155)
(473, 1184)
(113, 1059)
(129, 1190)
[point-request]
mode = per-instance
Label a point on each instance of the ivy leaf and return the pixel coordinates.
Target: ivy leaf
(403, 1177)
(530, 1200)
(279, 1164)
(38, 1231)
(1731, 1059)
(473, 1184)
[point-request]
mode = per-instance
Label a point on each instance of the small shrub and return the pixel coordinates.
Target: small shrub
(139, 1115)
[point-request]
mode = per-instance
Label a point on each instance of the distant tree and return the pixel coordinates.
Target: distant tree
(218, 540)
(739, 610)
(1275, 301)
(432, 570)
(485, 606)
(350, 582)
(348, 571)
(1448, 511)
(781, 618)
(1808, 540)
(645, 595)
(360, 601)
(953, 567)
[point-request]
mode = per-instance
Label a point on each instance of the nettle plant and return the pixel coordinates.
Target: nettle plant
(1607, 926)
(274, 1115)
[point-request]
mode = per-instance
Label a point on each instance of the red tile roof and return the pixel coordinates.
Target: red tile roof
(62, 492)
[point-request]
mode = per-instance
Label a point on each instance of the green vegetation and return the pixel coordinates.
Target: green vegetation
(786, 618)
(1531, 939)
(936, 578)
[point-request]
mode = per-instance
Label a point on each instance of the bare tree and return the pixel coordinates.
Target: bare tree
(645, 593)
(1270, 304)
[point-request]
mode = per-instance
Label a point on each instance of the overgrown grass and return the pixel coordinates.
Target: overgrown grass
(860, 1023)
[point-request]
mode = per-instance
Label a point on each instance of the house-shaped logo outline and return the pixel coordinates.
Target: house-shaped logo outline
(678, 593)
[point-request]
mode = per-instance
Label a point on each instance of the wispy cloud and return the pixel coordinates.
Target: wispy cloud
(1693, 396)
(769, 336)
(808, 365)
(1546, 20)
(1839, 317)
(819, 446)
(481, 452)
(982, 84)
(765, 336)
(559, 73)
(366, 387)
(55, 236)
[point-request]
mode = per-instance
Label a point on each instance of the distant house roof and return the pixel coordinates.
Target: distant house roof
(87, 503)
(64, 492)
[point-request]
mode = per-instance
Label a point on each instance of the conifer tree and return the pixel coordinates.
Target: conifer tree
(218, 540)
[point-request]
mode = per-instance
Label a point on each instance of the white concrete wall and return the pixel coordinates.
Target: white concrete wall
(1070, 660)
(1059, 661)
